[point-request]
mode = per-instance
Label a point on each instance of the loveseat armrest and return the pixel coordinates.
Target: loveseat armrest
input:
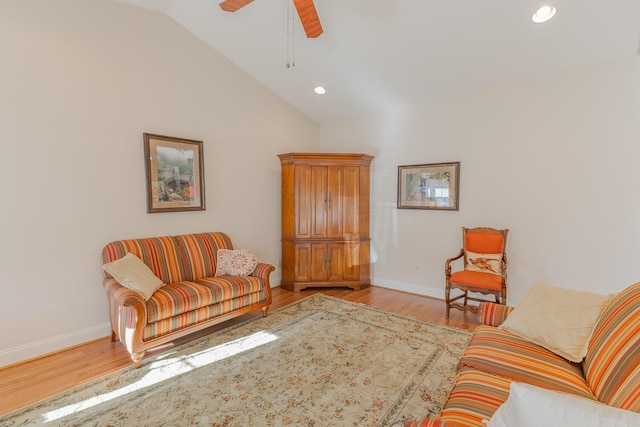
(119, 298)
(493, 314)
(428, 422)
(263, 270)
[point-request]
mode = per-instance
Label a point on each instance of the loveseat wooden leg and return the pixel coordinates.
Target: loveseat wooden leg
(114, 337)
(137, 358)
(264, 311)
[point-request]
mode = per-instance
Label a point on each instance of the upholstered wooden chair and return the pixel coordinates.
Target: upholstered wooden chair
(485, 268)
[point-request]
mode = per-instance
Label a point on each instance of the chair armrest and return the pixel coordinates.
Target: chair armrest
(493, 314)
(427, 422)
(263, 270)
(447, 265)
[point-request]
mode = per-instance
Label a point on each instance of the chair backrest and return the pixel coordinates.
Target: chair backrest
(480, 242)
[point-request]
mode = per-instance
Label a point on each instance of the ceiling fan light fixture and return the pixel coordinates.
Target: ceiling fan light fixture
(320, 90)
(543, 14)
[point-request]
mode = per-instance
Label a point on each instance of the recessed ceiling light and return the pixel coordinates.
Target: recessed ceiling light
(543, 14)
(320, 90)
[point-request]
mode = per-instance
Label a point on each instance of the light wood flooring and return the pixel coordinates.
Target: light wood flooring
(31, 381)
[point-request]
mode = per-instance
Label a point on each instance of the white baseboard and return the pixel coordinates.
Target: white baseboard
(50, 345)
(409, 287)
(41, 348)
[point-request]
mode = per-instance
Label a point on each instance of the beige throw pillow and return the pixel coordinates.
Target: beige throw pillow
(560, 320)
(134, 274)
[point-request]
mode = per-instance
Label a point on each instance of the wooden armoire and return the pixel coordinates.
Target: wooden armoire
(325, 220)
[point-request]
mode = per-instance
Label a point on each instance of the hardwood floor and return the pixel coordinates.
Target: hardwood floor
(35, 380)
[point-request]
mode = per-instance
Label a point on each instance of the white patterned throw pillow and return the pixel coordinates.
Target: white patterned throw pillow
(235, 262)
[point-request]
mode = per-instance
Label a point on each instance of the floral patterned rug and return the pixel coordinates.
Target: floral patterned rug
(321, 361)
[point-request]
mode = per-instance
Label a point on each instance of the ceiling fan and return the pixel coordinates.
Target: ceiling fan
(306, 11)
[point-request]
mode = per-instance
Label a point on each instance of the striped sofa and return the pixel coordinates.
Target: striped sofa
(192, 297)
(610, 372)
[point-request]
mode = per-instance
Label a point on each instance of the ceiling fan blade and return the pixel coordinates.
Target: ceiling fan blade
(233, 5)
(309, 17)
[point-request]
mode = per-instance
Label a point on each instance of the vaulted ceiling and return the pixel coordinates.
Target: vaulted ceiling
(375, 55)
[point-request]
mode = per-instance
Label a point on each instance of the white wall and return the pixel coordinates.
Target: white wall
(555, 160)
(80, 81)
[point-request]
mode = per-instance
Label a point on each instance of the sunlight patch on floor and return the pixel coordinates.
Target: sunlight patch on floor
(166, 369)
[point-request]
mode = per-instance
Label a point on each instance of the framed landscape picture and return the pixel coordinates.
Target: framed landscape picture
(175, 174)
(429, 186)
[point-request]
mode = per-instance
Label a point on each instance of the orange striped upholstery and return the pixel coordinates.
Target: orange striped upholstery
(262, 270)
(191, 294)
(475, 397)
(165, 326)
(609, 373)
(117, 295)
(427, 422)
(507, 355)
(177, 298)
(493, 314)
(160, 253)
(612, 364)
(200, 253)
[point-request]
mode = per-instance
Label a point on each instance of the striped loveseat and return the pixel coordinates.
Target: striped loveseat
(192, 297)
(609, 374)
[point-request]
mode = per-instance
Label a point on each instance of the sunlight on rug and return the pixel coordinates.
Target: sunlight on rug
(165, 370)
(321, 361)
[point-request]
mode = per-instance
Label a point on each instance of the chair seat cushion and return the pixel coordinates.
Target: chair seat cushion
(475, 397)
(181, 297)
(502, 353)
(476, 279)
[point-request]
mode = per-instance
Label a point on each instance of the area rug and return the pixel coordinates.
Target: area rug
(320, 361)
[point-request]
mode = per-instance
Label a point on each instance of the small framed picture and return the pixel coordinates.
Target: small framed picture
(429, 186)
(175, 174)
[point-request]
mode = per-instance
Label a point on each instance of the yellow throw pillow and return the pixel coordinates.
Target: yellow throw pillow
(134, 274)
(560, 320)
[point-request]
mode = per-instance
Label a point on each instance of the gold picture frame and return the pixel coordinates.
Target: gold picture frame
(175, 174)
(429, 186)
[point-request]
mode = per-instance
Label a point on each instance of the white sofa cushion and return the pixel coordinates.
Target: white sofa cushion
(530, 406)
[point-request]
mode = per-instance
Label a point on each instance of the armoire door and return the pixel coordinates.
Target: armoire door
(319, 262)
